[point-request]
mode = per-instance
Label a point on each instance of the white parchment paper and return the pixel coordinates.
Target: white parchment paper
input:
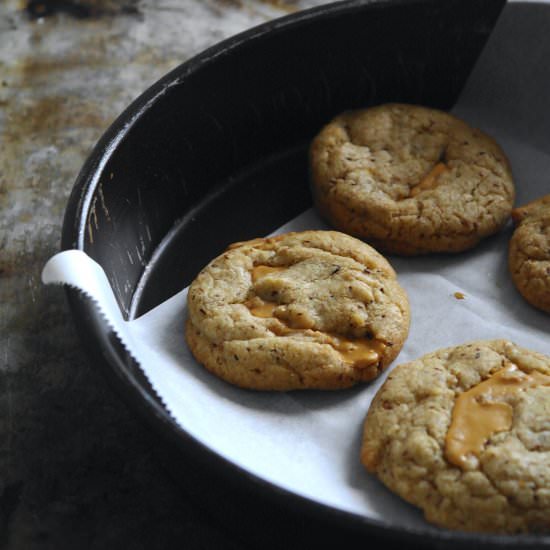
(308, 442)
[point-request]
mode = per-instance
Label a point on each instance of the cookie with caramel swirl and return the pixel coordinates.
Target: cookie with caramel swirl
(314, 309)
(410, 180)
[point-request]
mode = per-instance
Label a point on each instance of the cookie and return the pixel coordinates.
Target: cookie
(313, 309)
(529, 252)
(464, 434)
(410, 180)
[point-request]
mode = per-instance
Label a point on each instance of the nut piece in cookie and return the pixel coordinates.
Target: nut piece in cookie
(410, 180)
(464, 434)
(315, 309)
(529, 252)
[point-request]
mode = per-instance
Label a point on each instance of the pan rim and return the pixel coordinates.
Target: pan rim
(73, 233)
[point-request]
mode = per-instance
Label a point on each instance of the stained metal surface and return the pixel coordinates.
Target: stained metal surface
(76, 469)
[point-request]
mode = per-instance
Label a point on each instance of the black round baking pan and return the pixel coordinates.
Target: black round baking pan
(216, 152)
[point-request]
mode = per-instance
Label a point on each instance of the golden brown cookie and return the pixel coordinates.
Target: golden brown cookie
(529, 252)
(464, 434)
(315, 309)
(410, 180)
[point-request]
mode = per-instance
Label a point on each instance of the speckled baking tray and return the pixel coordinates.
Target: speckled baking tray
(215, 152)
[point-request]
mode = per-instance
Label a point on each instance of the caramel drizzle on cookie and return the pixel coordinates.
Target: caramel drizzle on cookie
(261, 308)
(429, 181)
(360, 352)
(259, 271)
(482, 411)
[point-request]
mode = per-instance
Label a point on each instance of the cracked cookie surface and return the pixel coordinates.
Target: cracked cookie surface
(410, 180)
(312, 309)
(529, 252)
(464, 434)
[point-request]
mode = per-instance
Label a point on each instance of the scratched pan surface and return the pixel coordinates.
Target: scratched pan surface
(216, 152)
